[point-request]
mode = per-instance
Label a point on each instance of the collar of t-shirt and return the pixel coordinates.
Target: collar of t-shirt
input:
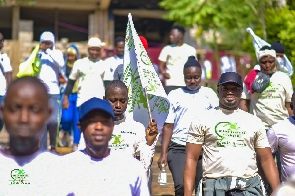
(117, 122)
(95, 159)
(190, 92)
(226, 111)
(94, 60)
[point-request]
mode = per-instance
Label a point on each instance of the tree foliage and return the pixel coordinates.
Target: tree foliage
(230, 18)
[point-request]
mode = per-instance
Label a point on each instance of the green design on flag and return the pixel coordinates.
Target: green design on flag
(139, 74)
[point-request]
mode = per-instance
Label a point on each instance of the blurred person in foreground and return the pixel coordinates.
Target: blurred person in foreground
(281, 137)
(26, 168)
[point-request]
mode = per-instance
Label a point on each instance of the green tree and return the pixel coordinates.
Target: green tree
(228, 18)
(280, 26)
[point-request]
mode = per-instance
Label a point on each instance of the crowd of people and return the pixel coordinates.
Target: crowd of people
(236, 141)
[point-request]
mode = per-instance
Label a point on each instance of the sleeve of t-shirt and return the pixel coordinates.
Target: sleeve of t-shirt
(214, 101)
(260, 140)
(288, 88)
(196, 132)
(245, 94)
(193, 52)
(5, 62)
(164, 54)
(57, 56)
(171, 115)
(74, 75)
(272, 139)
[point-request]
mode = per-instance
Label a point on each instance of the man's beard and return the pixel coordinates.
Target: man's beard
(23, 146)
(230, 105)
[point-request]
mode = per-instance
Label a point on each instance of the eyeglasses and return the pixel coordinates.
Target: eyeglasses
(264, 62)
(2, 40)
(190, 77)
(232, 89)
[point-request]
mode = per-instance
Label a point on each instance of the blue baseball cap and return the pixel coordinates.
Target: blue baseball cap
(95, 104)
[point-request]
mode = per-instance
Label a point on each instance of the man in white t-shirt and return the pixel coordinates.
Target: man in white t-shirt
(281, 137)
(89, 72)
(130, 136)
(52, 61)
(112, 63)
(230, 139)
(5, 74)
(99, 170)
(173, 57)
(25, 168)
(185, 103)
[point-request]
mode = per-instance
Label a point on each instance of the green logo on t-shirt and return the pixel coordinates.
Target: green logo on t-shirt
(229, 134)
(18, 177)
(117, 139)
(270, 92)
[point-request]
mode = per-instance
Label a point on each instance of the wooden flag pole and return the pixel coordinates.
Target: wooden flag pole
(148, 104)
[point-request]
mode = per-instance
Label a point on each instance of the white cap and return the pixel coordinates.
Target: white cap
(266, 52)
(95, 42)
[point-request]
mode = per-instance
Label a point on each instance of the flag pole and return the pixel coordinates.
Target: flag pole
(148, 104)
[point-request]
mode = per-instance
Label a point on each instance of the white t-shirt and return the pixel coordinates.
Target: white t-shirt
(114, 175)
(269, 105)
(51, 61)
(111, 65)
(229, 139)
(89, 74)
(5, 66)
(281, 137)
(29, 175)
(129, 137)
(175, 58)
(184, 105)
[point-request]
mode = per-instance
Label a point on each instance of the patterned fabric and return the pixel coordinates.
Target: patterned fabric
(218, 187)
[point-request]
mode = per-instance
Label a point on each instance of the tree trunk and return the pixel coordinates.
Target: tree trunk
(216, 53)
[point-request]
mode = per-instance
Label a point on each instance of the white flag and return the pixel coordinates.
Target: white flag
(140, 74)
(258, 43)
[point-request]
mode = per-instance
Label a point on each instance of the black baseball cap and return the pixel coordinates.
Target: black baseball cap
(230, 77)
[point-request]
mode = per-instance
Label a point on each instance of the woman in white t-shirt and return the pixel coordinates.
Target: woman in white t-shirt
(185, 103)
(130, 136)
